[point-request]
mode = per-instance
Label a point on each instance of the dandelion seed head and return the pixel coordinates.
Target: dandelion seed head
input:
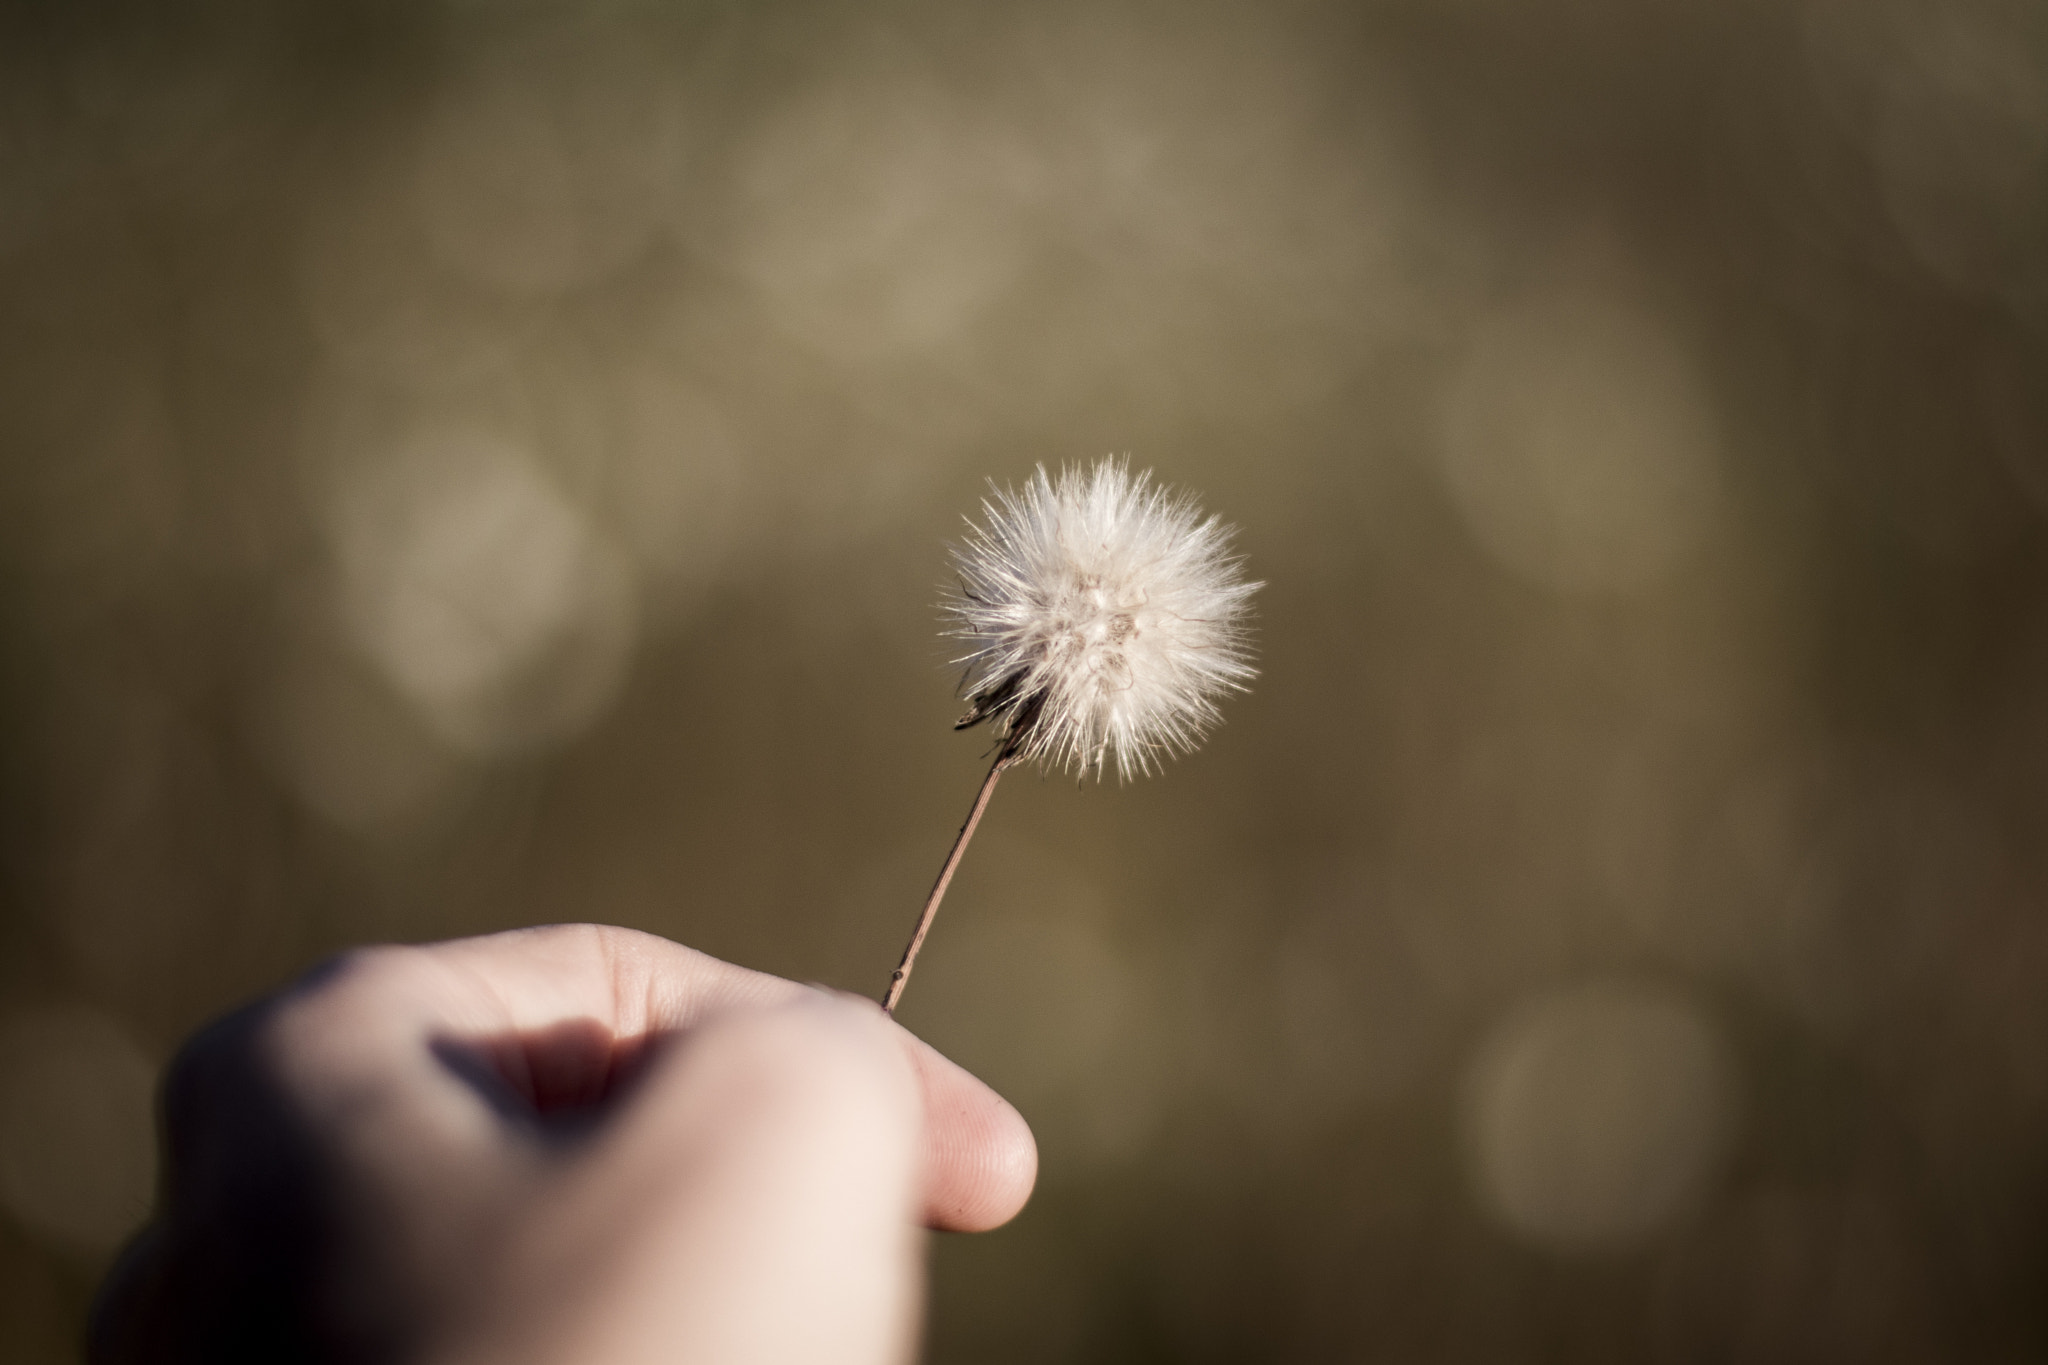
(1105, 617)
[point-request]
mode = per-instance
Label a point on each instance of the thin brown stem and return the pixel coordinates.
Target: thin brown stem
(901, 978)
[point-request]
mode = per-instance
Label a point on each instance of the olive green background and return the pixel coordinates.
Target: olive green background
(467, 465)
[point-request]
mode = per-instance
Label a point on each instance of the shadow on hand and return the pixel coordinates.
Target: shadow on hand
(557, 1082)
(258, 1249)
(230, 1265)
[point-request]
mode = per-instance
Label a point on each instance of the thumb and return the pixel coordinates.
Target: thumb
(757, 1201)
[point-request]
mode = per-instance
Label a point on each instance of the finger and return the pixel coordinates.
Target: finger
(561, 1010)
(629, 982)
(980, 1159)
(754, 1203)
(370, 1042)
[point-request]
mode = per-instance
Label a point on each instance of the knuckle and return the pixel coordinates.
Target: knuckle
(207, 1085)
(345, 977)
(249, 1049)
(196, 1075)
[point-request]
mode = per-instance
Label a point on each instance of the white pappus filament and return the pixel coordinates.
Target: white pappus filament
(1106, 616)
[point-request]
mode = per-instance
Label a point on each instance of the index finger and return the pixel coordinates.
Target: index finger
(625, 988)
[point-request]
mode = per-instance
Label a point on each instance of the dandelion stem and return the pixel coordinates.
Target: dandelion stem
(901, 977)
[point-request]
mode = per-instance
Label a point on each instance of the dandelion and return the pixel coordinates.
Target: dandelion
(1104, 618)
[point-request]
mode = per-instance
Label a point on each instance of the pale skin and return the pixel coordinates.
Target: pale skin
(571, 1144)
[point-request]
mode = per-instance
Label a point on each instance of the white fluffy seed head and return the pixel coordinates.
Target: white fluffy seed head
(1105, 616)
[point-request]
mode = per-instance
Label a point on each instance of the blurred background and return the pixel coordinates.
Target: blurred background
(470, 464)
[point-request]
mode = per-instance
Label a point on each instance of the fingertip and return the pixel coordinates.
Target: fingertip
(981, 1160)
(992, 1175)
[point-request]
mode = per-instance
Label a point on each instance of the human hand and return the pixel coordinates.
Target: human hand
(573, 1144)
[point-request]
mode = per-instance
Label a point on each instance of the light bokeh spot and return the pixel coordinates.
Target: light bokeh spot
(480, 592)
(380, 301)
(547, 172)
(1594, 1116)
(1948, 100)
(1580, 445)
(877, 221)
(351, 751)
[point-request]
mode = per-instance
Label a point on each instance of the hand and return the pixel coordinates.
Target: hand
(576, 1144)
